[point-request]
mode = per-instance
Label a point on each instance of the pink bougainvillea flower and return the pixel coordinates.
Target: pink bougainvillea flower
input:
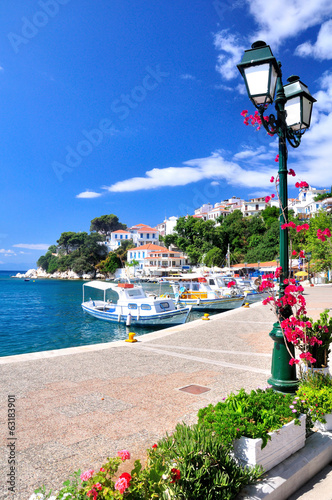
(244, 112)
(231, 283)
(291, 172)
(272, 195)
(272, 179)
(327, 233)
(276, 159)
(124, 455)
(102, 469)
(267, 199)
(294, 362)
(85, 476)
(297, 184)
(294, 252)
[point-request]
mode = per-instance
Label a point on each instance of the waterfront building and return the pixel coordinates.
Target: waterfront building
(164, 262)
(141, 252)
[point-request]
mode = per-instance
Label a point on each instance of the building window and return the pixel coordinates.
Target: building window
(141, 235)
(148, 236)
(120, 236)
(115, 236)
(257, 207)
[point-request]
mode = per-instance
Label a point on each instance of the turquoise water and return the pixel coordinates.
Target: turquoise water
(42, 315)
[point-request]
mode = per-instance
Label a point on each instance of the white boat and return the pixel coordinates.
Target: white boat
(194, 290)
(243, 286)
(134, 306)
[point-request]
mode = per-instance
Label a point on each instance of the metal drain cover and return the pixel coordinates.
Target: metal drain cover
(194, 389)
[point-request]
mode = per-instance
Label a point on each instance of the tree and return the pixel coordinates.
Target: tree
(122, 250)
(270, 215)
(110, 264)
(214, 257)
(134, 263)
(64, 240)
(106, 224)
(321, 251)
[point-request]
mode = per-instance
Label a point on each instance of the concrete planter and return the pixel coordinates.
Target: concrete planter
(325, 427)
(284, 443)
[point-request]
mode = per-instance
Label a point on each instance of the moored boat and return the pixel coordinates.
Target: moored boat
(195, 291)
(134, 306)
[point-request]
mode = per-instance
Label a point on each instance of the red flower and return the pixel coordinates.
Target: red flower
(175, 475)
(267, 199)
(127, 477)
(291, 172)
(297, 184)
(244, 112)
(231, 283)
(294, 252)
(276, 159)
(272, 179)
(154, 446)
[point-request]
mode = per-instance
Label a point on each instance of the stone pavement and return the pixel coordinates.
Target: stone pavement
(77, 406)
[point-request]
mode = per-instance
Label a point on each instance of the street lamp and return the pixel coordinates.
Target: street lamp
(293, 104)
(308, 255)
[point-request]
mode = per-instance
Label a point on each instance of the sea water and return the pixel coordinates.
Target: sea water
(46, 314)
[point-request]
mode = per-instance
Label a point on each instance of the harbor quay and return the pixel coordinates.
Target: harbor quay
(77, 406)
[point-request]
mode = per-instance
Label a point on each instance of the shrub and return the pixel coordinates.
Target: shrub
(252, 415)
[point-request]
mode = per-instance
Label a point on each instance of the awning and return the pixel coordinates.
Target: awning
(101, 285)
(301, 273)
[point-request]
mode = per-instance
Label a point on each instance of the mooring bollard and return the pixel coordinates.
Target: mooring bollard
(246, 305)
(206, 317)
(131, 336)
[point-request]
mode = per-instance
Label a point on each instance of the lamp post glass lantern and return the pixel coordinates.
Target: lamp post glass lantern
(293, 103)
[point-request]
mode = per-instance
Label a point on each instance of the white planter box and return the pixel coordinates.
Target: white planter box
(325, 427)
(284, 443)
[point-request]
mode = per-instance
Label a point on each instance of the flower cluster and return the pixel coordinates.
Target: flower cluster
(302, 184)
(322, 235)
(123, 482)
(230, 284)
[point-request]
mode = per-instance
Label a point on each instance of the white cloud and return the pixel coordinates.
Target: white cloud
(287, 18)
(231, 53)
(187, 76)
(88, 194)
(33, 246)
(2, 250)
(215, 183)
(213, 167)
(249, 153)
(321, 49)
(253, 168)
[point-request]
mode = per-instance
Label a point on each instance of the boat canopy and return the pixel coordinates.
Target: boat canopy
(100, 285)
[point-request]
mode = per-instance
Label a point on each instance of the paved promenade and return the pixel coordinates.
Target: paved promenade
(75, 407)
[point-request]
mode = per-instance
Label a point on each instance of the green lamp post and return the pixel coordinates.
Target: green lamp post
(308, 255)
(293, 104)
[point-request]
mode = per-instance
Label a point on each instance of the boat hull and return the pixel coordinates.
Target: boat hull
(169, 318)
(213, 304)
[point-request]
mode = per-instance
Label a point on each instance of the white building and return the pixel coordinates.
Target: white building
(167, 227)
(254, 206)
(141, 234)
(305, 206)
(163, 262)
(218, 211)
(141, 252)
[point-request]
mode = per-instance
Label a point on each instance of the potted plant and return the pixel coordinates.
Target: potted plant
(262, 428)
(322, 331)
(315, 392)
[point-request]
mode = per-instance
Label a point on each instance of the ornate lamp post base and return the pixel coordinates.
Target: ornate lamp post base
(283, 375)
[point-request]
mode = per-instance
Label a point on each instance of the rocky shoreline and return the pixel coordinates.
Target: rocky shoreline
(65, 275)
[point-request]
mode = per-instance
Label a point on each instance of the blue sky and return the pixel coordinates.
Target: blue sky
(133, 108)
